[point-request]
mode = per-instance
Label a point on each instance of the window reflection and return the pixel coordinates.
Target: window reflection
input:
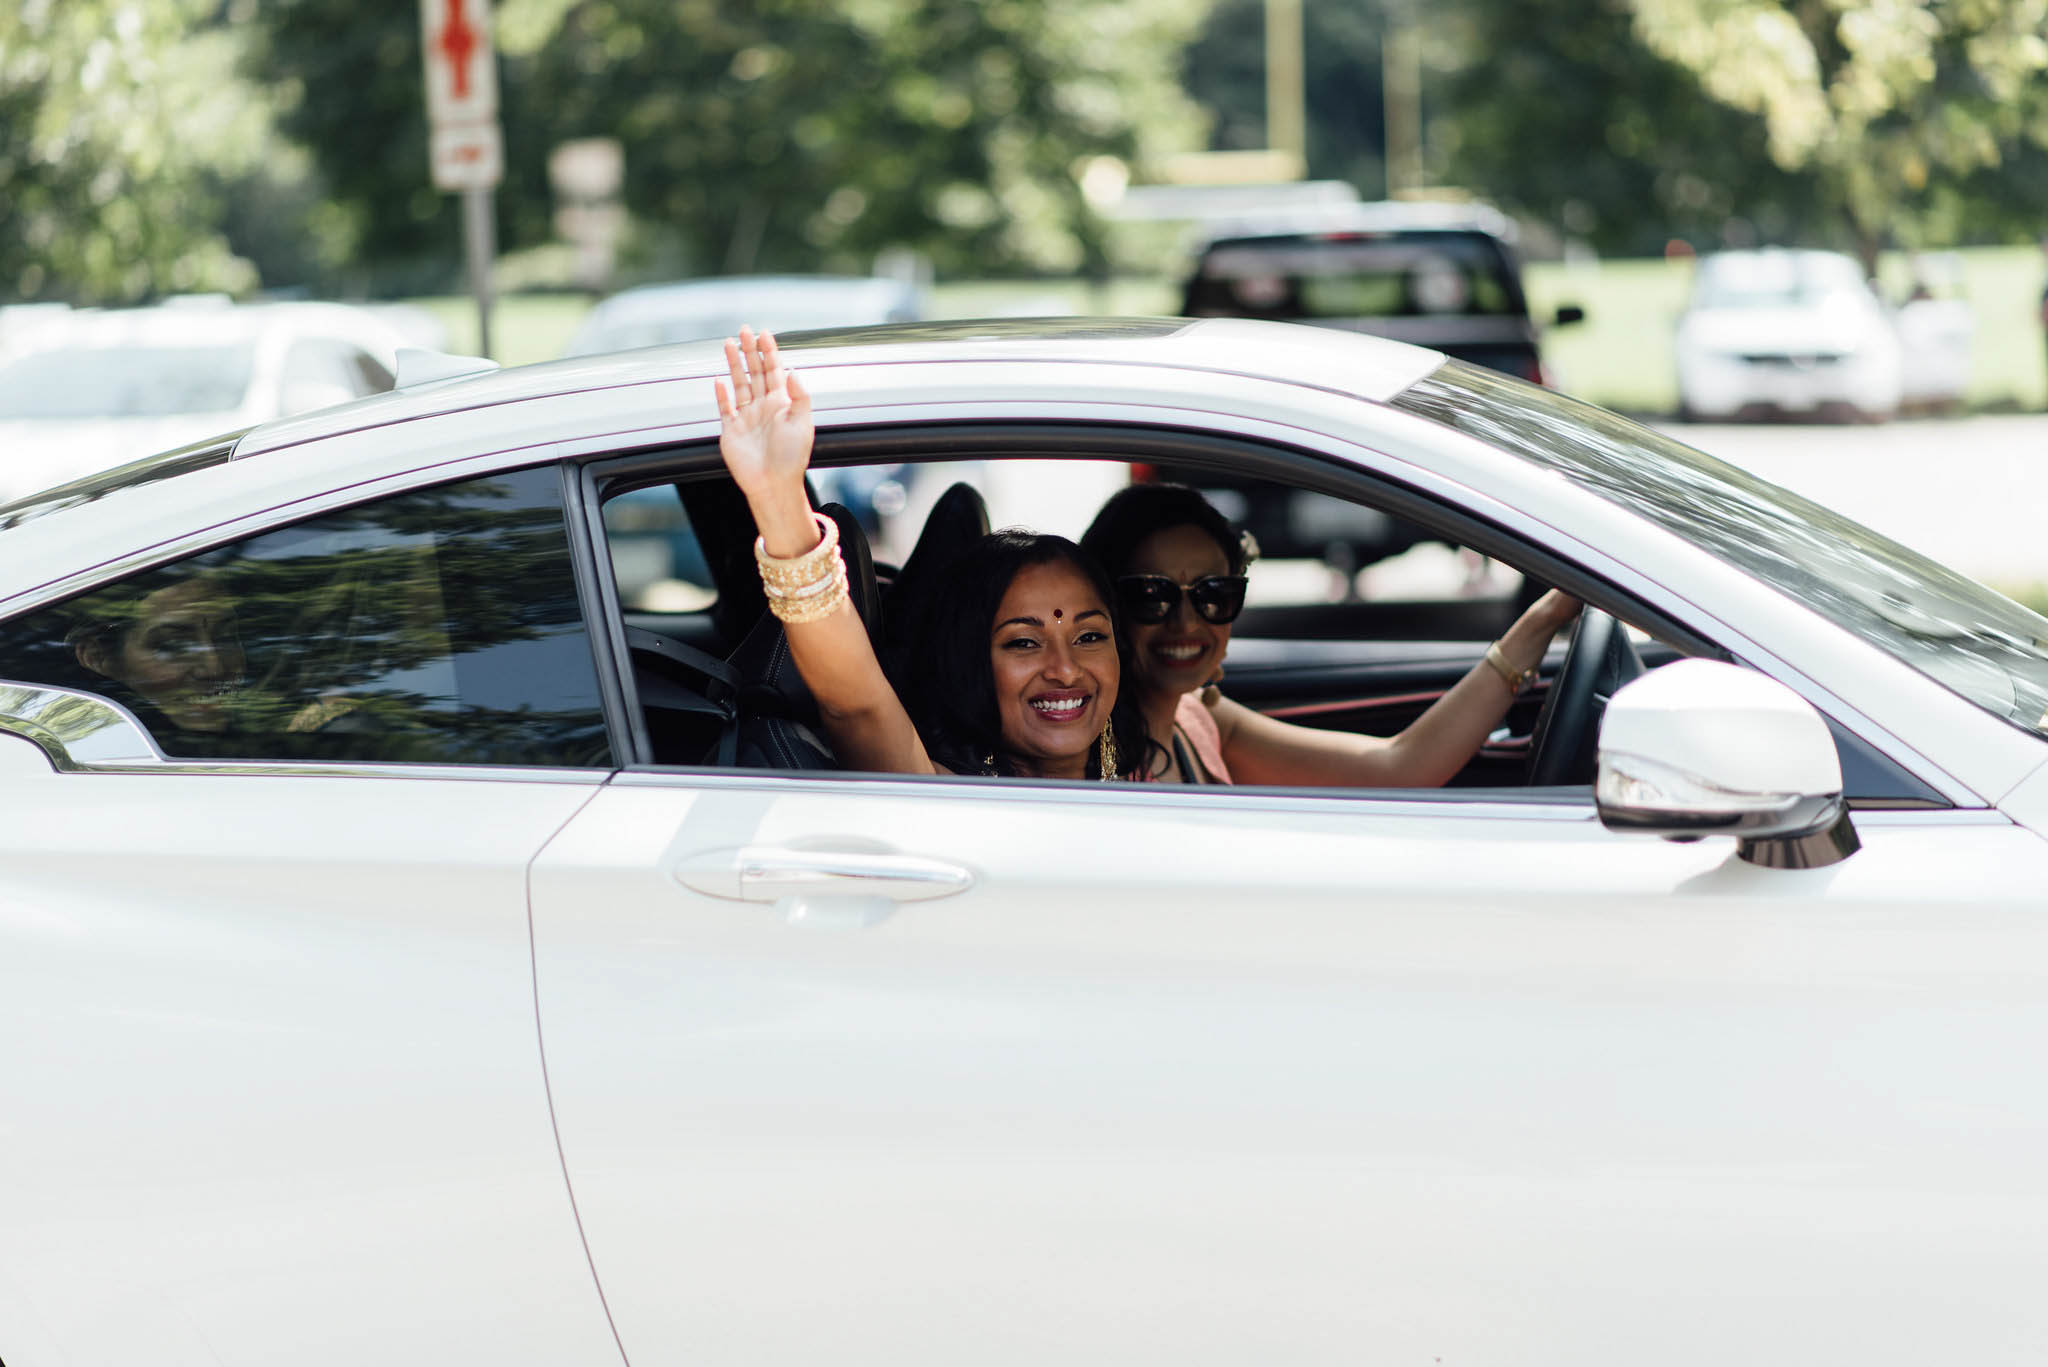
(1978, 643)
(436, 627)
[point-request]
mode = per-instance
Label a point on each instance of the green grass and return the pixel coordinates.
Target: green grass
(1621, 356)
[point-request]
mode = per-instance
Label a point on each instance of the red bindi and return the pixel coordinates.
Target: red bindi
(1055, 614)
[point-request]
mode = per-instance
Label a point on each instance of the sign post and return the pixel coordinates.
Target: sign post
(463, 141)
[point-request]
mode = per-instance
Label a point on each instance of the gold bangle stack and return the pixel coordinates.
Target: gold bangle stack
(807, 587)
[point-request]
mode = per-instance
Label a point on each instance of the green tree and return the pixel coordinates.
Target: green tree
(1896, 110)
(1555, 109)
(784, 134)
(116, 122)
(1224, 69)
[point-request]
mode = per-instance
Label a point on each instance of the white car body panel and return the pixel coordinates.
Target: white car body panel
(1609, 1087)
(285, 1102)
(338, 1062)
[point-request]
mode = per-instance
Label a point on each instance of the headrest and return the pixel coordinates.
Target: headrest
(956, 523)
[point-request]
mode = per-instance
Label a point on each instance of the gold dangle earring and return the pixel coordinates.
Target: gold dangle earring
(1105, 753)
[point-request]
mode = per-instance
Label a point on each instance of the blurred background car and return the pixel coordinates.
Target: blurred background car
(86, 390)
(1937, 328)
(1444, 276)
(1787, 332)
(1441, 275)
(661, 565)
(691, 310)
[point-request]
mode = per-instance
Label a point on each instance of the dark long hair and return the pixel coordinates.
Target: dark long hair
(946, 681)
(1134, 513)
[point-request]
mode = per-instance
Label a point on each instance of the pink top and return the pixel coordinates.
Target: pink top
(1192, 720)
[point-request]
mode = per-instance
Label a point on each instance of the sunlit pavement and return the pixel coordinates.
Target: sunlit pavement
(1970, 492)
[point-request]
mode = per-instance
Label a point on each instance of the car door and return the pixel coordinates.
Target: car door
(879, 1069)
(273, 1087)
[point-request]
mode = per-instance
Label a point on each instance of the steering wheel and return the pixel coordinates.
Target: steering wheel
(1599, 659)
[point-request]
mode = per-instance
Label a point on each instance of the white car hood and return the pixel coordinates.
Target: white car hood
(36, 453)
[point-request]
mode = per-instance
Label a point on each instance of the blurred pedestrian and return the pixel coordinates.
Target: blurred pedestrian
(2044, 306)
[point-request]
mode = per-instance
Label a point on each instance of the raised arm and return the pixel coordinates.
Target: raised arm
(765, 434)
(1428, 752)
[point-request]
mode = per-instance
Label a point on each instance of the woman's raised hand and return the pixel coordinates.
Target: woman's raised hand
(765, 426)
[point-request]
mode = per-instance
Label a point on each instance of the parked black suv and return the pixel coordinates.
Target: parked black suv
(1444, 276)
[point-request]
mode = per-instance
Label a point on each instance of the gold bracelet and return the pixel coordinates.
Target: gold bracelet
(815, 603)
(1515, 679)
(795, 571)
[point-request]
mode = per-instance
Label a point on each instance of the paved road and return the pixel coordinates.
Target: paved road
(1970, 492)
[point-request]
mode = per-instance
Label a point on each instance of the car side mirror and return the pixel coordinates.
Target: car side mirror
(1568, 314)
(1704, 748)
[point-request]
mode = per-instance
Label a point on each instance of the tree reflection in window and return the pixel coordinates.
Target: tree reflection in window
(440, 626)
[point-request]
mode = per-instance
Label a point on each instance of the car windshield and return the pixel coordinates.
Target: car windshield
(1355, 275)
(126, 381)
(1773, 281)
(1964, 636)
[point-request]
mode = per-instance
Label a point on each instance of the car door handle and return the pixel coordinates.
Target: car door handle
(769, 873)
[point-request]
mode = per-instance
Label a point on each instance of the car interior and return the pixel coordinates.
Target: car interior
(1362, 639)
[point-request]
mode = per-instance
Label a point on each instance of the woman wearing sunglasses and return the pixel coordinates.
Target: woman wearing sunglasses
(1179, 570)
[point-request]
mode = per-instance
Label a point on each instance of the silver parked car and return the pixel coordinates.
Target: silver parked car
(409, 952)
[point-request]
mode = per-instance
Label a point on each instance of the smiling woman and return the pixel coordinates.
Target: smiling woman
(1019, 673)
(1180, 571)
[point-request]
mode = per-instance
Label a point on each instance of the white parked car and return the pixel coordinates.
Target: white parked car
(406, 954)
(88, 390)
(1794, 332)
(717, 306)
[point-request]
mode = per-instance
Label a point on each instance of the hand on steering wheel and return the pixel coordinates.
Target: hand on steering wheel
(1599, 659)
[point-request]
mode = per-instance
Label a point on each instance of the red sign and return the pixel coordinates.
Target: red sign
(462, 93)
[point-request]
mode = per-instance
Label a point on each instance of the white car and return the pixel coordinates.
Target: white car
(1794, 332)
(86, 390)
(691, 310)
(406, 954)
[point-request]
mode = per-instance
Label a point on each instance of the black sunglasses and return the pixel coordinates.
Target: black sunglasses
(1149, 599)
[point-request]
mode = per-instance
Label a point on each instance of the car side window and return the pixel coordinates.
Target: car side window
(656, 559)
(439, 626)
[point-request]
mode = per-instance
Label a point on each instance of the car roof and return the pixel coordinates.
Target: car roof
(144, 510)
(1356, 365)
(1381, 216)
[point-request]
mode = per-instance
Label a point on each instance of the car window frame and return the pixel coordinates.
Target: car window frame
(918, 441)
(921, 442)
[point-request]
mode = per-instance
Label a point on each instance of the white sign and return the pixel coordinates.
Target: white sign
(462, 94)
(466, 156)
